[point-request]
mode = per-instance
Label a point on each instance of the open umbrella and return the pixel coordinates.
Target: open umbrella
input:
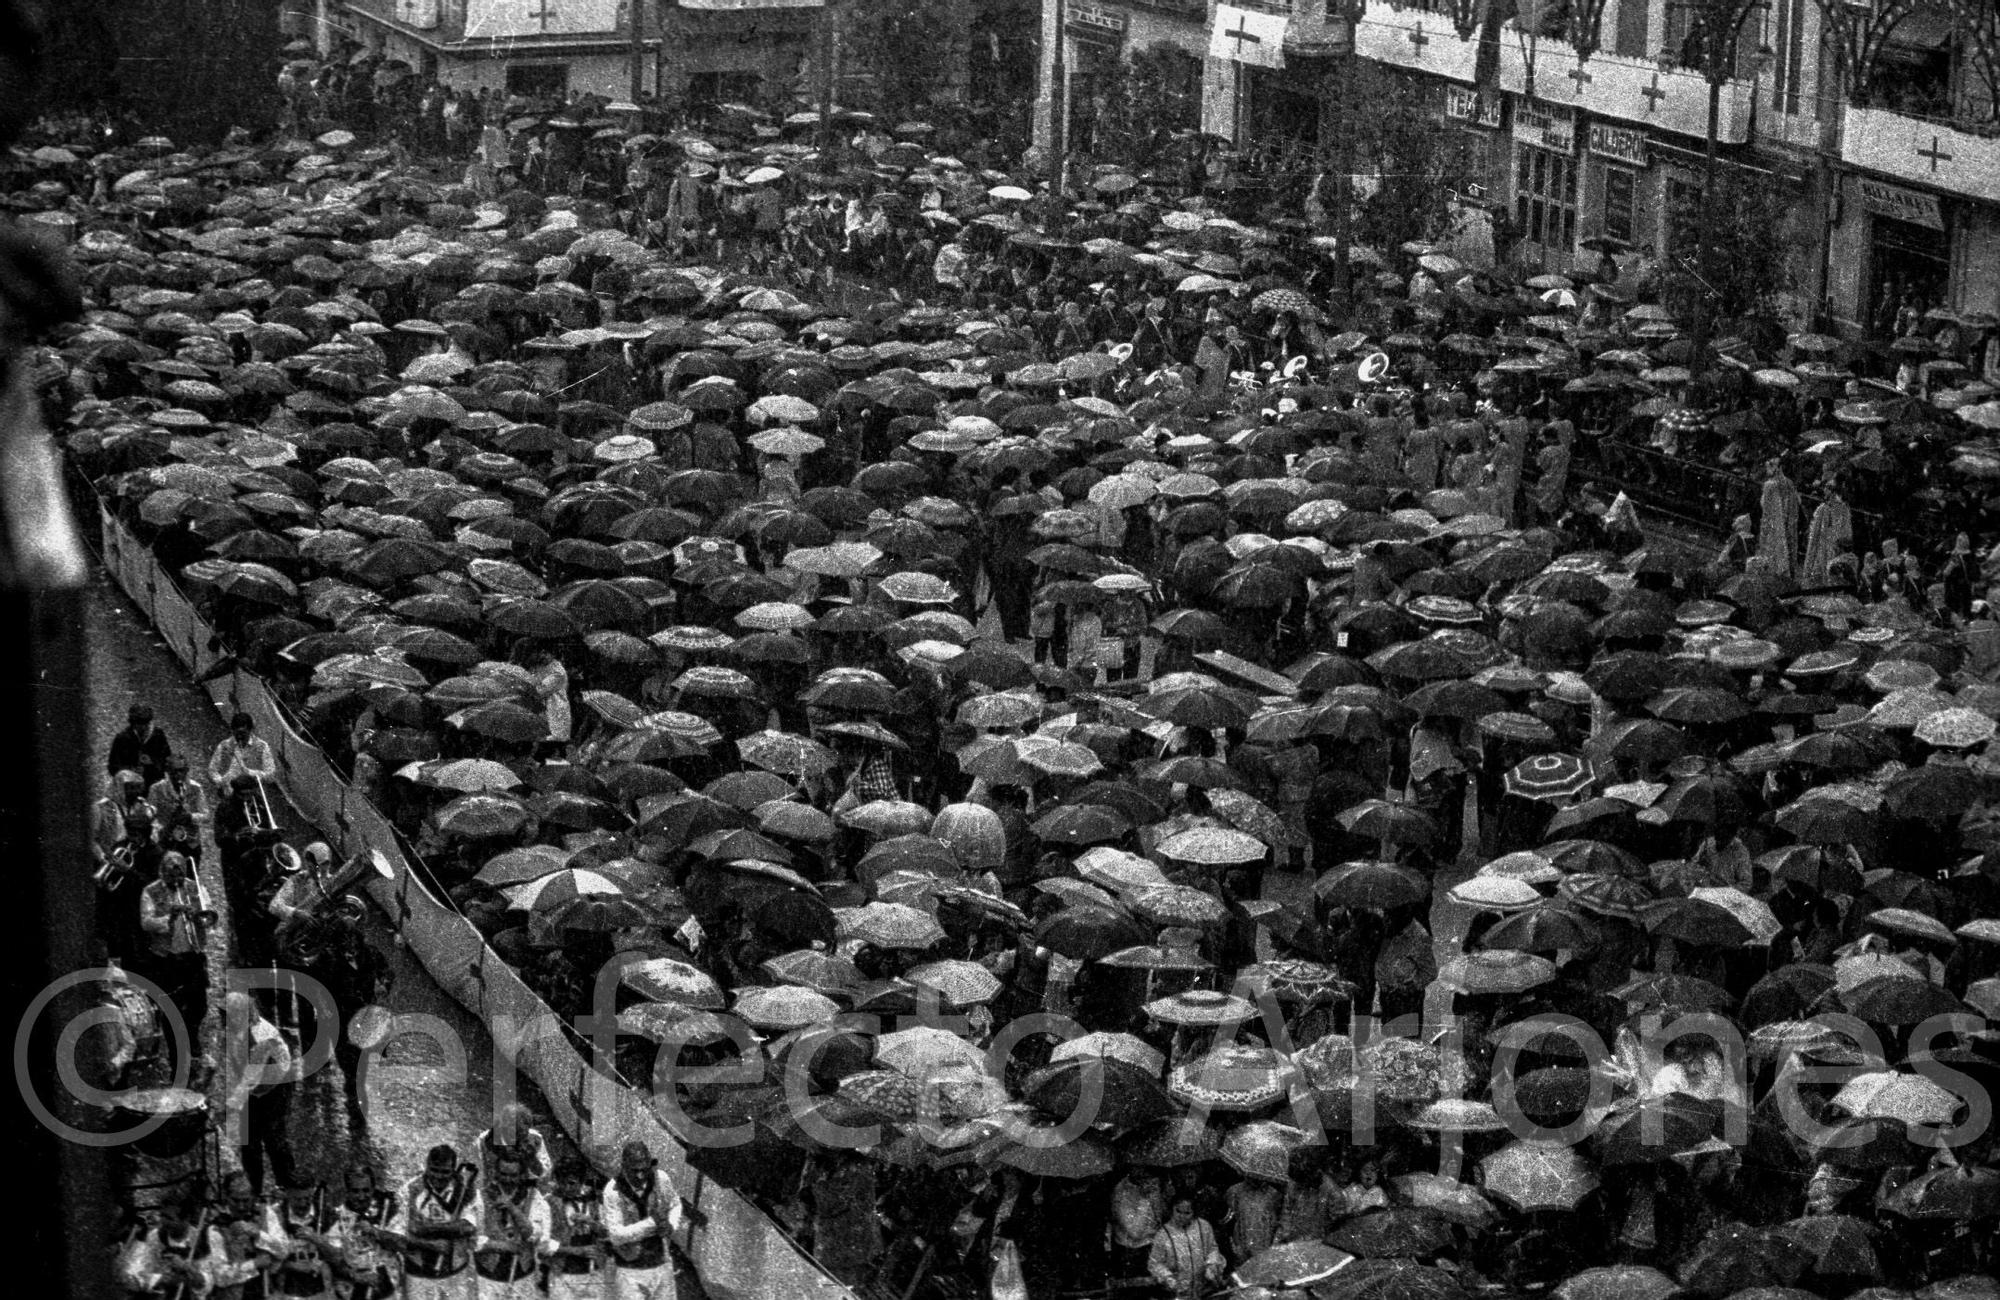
(1537, 1175)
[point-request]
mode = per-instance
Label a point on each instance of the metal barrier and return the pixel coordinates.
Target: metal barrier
(738, 1250)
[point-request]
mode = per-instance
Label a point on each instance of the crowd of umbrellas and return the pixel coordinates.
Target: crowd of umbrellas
(655, 606)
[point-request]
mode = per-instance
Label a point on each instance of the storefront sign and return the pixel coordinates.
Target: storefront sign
(1095, 20)
(1886, 200)
(1469, 105)
(1545, 125)
(1617, 142)
(420, 14)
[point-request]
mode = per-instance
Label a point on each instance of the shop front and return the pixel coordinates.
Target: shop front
(1545, 183)
(1621, 193)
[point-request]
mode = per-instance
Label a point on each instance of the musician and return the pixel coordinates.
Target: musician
(172, 1258)
(248, 1251)
(439, 1212)
(363, 1269)
(577, 1268)
(243, 753)
(241, 834)
(261, 1076)
(141, 747)
(515, 1232)
(640, 1209)
(132, 863)
(296, 1231)
(126, 796)
(337, 953)
(514, 1134)
(178, 797)
(174, 915)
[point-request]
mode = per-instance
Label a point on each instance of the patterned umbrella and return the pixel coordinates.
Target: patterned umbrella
(1534, 1176)
(1233, 1077)
(819, 971)
(1550, 778)
(1201, 1007)
(1263, 1149)
(783, 1007)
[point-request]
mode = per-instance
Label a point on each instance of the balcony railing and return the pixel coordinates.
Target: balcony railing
(1924, 150)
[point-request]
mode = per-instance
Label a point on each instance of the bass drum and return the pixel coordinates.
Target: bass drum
(180, 1116)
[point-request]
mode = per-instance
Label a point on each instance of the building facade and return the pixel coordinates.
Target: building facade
(1873, 119)
(709, 50)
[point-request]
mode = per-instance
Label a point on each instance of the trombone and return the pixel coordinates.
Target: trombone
(258, 805)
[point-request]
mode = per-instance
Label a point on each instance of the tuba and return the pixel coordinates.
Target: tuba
(311, 907)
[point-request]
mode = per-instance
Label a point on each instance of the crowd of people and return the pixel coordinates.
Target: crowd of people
(869, 602)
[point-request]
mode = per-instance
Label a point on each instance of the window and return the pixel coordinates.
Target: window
(538, 80)
(1620, 195)
(1683, 215)
(1790, 46)
(1473, 162)
(1629, 36)
(1545, 198)
(728, 87)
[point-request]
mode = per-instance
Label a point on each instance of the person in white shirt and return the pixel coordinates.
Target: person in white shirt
(641, 1208)
(440, 1210)
(516, 1232)
(261, 1074)
(244, 753)
(174, 915)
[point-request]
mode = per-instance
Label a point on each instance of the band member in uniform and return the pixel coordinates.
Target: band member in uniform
(172, 1259)
(128, 865)
(439, 1212)
(181, 805)
(515, 1233)
(141, 747)
(243, 753)
(240, 840)
(262, 1073)
(333, 947)
(248, 1252)
(641, 1209)
(297, 1232)
(577, 1269)
(514, 1134)
(174, 915)
(363, 1269)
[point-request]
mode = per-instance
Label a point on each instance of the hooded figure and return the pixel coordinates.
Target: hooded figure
(1778, 535)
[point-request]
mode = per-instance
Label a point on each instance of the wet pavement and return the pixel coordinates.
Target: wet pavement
(422, 1089)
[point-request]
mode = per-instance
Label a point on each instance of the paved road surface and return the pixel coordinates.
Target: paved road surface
(417, 1096)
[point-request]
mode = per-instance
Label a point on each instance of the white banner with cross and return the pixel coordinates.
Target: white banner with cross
(1248, 36)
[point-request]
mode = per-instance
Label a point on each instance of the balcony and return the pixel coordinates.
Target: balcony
(1415, 39)
(1631, 90)
(1922, 150)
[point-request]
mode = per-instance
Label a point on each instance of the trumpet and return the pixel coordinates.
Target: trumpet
(116, 869)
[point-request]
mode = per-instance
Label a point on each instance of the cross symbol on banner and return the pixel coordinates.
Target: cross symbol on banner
(544, 11)
(1935, 154)
(1242, 34)
(1653, 94)
(1579, 76)
(1418, 39)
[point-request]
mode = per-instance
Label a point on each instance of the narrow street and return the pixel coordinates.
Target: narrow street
(420, 1090)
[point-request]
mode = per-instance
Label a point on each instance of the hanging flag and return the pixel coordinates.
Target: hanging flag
(1248, 36)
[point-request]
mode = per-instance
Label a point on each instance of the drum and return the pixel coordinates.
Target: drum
(182, 1114)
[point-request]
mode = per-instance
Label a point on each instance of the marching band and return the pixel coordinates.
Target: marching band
(484, 1229)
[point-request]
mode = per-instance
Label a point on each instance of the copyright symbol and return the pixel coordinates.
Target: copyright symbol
(68, 1068)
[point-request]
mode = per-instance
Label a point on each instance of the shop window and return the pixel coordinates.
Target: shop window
(1545, 198)
(1620, 203)
(538, 80)
(1683, 215)
(707, 89)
